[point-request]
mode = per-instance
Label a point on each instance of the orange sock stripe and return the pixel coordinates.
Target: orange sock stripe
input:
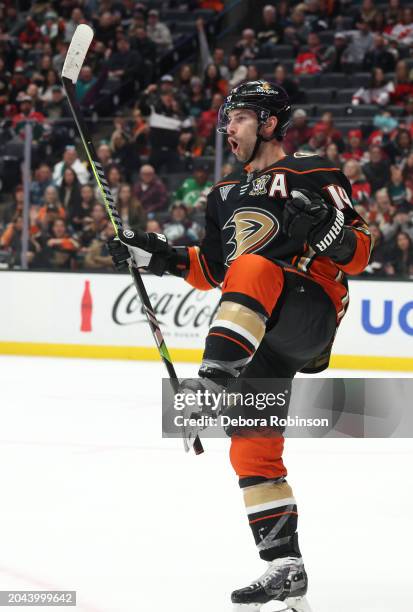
(232, 340)
(263, 518)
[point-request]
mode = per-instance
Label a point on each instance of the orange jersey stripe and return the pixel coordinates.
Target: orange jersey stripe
(304, 171)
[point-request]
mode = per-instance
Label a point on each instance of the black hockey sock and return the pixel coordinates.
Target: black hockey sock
(272, 514)
(233, 338)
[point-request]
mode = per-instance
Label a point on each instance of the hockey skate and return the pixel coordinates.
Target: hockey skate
(284, 583)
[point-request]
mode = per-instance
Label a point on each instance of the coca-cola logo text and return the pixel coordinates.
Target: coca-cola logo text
(192, 309)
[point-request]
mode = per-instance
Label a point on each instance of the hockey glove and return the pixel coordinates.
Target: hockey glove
(147, 250)
(307, 218)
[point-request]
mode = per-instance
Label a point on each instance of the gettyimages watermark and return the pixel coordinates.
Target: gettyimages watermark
(304, 407)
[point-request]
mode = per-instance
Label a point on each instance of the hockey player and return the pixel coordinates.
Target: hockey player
(281, 235)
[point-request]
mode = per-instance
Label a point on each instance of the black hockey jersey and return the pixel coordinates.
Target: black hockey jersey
(244, 215)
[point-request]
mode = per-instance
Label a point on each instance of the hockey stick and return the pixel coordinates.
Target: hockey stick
(75, 57)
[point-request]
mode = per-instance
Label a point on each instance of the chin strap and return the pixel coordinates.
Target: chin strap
(258, 141)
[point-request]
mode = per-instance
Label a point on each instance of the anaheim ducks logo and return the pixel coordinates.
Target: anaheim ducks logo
(253, 228)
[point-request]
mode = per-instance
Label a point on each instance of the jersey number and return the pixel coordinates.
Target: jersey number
(339, 196)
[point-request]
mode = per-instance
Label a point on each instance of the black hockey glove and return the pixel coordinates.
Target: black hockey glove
(307, 218)
(147, 250)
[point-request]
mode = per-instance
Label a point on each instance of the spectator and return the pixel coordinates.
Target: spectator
(355, 150)
(184, 78)
(402, 32)
(361, 41)
(59, 58)
(105, 31)
(153, 225)
(93, 226)
(400, 147)
(237, 72)
(331, 133)
(297, 30)
(270, 32)
(383, 213)
(76, 18)
(253, 74)
(30, 35)
(379, 56)
(52, 205)
(82, 215)
(46, 84)
(407, 167)
(69, 191)
(104, 154)
(159, 32)
(299, 132)
(141, 43)
(96, 255)
(58, 249)
(71, 160)
(114, 179)
(52, 27)
(208, 119)
(130, 208)
(180, 230)
(197, 101)
(360, 188)
(333, 154)
(378, 92)
(150, 190)
(333, 56)
(403, 86)
(11, 241)
(290, 85)
(27, 113)
(247, 47)
(124, 153)
(218, 57)
(393, 12)
(400, 194)
(139, 132)
(85, 83)
(377, 169)
(56, 107)
(378, 255)
(42, 180)
(368, 11)
(125, 63)
(213, 82)
(194, 189)
(165, 120)
(14, 207)
(401, 263)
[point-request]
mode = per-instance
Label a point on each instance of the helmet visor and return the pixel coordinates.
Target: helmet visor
(224, 111)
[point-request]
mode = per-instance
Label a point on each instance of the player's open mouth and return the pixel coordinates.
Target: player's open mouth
(233, 144)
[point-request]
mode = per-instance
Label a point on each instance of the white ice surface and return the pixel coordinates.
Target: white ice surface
(92, 499)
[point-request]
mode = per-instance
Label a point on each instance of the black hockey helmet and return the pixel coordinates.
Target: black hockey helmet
(262, 97)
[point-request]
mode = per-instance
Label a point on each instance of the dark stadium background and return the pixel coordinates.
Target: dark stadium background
(150, 89)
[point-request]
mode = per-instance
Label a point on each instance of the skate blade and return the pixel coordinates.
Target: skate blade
(296, 604)
(292, 604)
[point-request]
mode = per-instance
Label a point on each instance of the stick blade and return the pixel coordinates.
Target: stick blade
(76, 53)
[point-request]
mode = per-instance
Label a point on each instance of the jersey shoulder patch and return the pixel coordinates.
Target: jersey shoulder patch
(224, 186)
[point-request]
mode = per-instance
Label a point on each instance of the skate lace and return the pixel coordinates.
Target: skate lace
(276, 567)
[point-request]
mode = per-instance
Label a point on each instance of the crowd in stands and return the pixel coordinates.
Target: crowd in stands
(347, 66)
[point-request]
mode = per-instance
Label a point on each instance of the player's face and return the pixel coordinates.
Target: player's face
(242, 133)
